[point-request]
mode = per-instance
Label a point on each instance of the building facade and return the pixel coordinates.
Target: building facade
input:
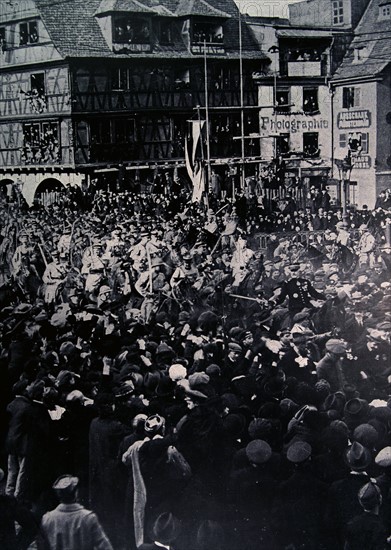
(362, 104)
(104, 90)
(295, 120)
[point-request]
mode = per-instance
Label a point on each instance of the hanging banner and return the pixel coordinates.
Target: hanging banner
(194, 158)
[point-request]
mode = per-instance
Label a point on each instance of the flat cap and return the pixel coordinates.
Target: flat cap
(66, 482)
(339, 347)
(258, 451)
(299, 451)
(383, 457)
(235, 347)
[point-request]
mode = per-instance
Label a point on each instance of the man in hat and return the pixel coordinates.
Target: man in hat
(184, 277)
(301, 501)
(343, 502)
(299, 291)
(21, 254)
(366, 246)
(165, 531)
(92, 265)
(53, 275)
(70, 525)
(367, 530)
(330, 367)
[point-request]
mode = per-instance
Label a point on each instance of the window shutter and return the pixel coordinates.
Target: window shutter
(357, 97)
(365, 143)
(342, 141)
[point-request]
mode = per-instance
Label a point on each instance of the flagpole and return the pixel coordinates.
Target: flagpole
(207, 123)
(241, 99)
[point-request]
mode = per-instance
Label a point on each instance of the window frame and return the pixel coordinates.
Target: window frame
(351, 97)
(311, 89)
(27, 31)
(41, 90)
(306, 135)
(338, 12)
(134, 23)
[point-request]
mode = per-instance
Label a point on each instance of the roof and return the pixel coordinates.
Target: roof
(73, 26)
(303, 33)
(375, 46)
(200, 8)
(133, 6)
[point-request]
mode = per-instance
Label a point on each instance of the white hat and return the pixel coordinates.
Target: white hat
(177, 372)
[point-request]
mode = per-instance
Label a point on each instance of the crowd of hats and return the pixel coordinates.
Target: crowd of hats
(156, 372)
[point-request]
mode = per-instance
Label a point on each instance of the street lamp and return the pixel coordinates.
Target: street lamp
(274, 50)
(345, 167)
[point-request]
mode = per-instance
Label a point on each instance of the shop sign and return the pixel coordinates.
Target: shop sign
(363, 162)
(354, 119)
(292, 124)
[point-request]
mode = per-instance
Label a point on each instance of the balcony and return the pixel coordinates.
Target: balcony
(305, 68)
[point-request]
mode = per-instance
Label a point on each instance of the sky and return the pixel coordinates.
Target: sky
(265, 8)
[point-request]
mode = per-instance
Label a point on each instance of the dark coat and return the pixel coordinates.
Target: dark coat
(19, 425)
(366, 531)
(343, 502)
(300, 293)
(107, 480)
(298, 511)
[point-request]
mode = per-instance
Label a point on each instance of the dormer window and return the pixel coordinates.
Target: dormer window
(131, 34)
(165, 36)
(3, 39)
(207, 35)
(385, 11)
(211, 33)
(28, 33)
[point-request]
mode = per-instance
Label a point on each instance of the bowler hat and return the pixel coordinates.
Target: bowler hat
(369, 496)
(358, 457)
(166, 528)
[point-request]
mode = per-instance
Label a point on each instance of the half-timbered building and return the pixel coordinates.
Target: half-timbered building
(104, 89)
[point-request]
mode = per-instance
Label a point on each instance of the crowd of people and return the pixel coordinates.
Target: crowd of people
(171, 380)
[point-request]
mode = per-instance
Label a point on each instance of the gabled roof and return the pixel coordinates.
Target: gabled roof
(75, 31)
(371, 34)
(200, 8)
(133, 6)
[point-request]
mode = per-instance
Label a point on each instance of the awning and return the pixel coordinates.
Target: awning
(303, 33)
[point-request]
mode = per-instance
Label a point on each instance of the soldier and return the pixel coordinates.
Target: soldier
(299, 291)
(53, 275)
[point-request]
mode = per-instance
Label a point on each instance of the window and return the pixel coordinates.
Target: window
(358, 142)
(282, 144)
(310, 100)
(337, 12)
(350, 97)
(385, 11)
(311, 144)
(37, 84)
(282, 101)
(120, 79)
(41, 143)
(165, 32)
(131, 30)
(3, 41)
(211, 33)
(28, 33)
